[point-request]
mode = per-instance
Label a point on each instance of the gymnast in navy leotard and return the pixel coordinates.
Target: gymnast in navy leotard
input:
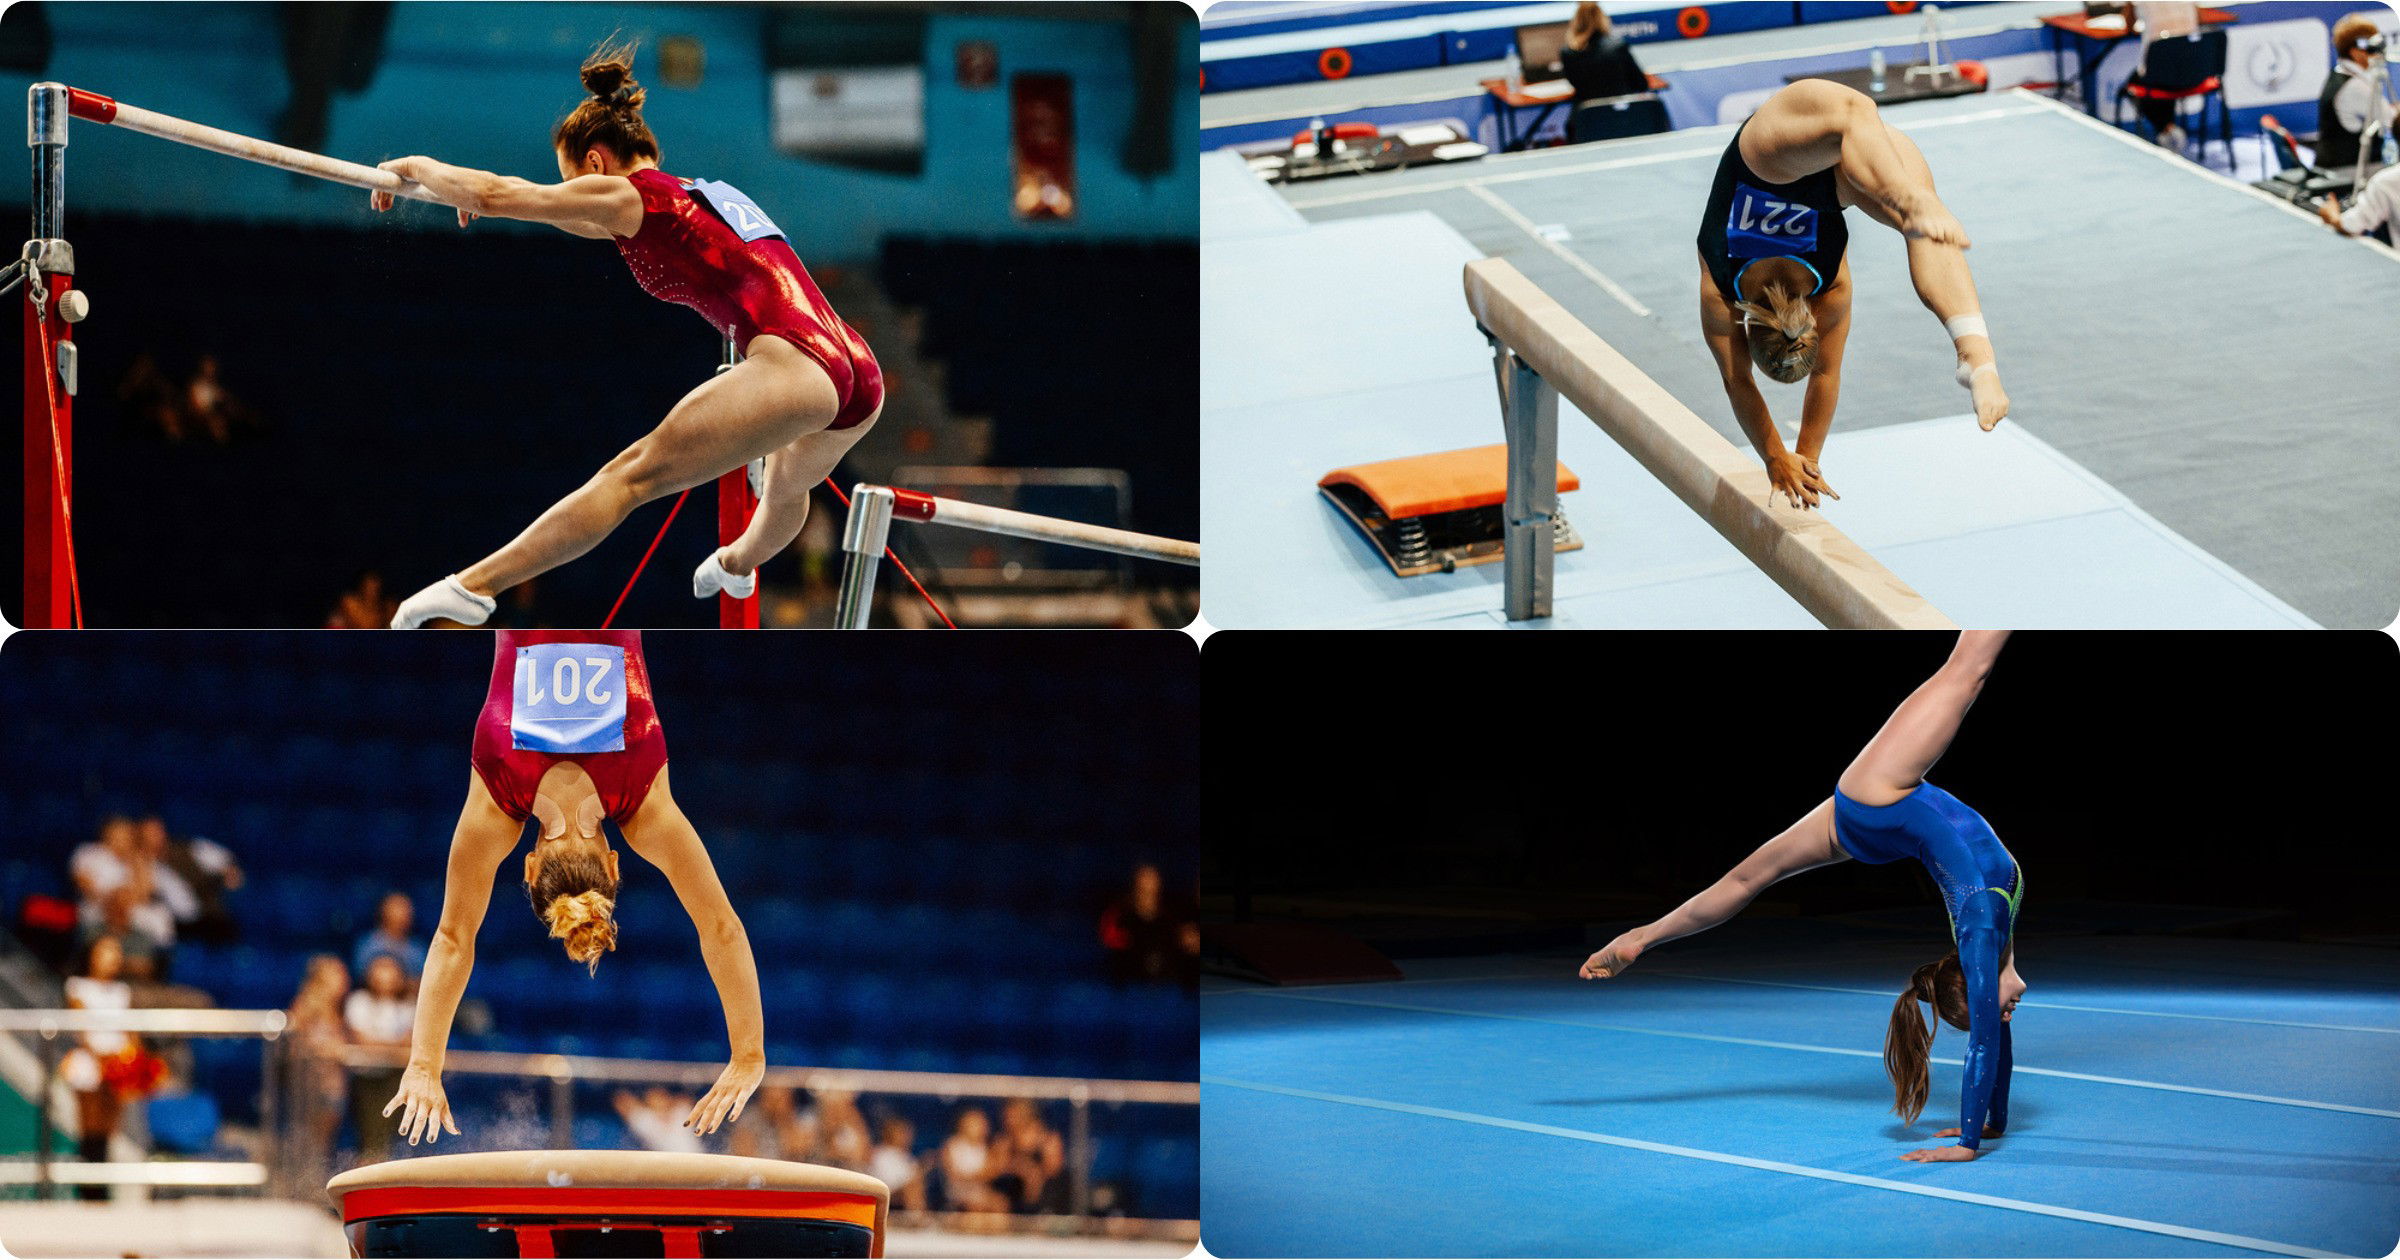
(1883, 810)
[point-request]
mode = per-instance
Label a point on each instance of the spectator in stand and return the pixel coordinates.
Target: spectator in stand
(968, 1166)
(106, 1070)
(772, 1128)
(830, 1130)
(192, 876)
(320, 1080)
(381, 1016)
(365, 606)
(655, 1119)
(111, 859)
(842, 1137)
(138, 953)
(1148, 940)
(394, 934)
(1030, 1156)
(894, 1163)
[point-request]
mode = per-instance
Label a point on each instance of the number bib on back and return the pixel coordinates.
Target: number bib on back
(739, 212)
(1765, 226)
(570, 699)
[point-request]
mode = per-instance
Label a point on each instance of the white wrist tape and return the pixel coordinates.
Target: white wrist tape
(1971, 325)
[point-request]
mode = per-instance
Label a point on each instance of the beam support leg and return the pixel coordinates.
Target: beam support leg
(1529, 414)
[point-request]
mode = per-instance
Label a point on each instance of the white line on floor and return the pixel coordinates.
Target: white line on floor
(1573, 259)
(1776, 1166)
(1809, 1048)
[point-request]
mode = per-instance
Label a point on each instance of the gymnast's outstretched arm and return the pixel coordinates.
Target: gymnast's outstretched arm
(1805, 845)
(587, 205)
(483, 840)
(1920, 730)
(662, 835)
(1983, 934)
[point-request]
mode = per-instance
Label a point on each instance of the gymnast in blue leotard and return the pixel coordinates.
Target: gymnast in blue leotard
(1883, 810)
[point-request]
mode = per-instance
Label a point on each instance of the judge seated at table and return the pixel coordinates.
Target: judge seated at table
(1597, 62)
(2347, 105)
(2157, 22)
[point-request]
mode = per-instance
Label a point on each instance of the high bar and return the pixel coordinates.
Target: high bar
(930, 509)
(1818, 565)
(93, 107)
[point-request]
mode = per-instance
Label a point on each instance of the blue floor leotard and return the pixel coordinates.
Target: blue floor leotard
(1981, 886)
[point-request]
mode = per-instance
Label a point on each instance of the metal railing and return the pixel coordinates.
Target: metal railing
(45, 1172)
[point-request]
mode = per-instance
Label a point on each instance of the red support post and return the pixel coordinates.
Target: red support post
(49, 465)
(735, 503)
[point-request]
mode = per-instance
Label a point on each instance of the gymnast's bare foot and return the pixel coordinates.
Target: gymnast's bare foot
(1991, 401)
(1611, 961)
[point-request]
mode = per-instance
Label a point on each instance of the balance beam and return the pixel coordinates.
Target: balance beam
(1541, 352)
(446, 1205)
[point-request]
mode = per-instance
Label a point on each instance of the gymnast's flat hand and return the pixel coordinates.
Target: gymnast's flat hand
(1797, 479)
(427, 1107)
(724, 1101)
(1612, 961)
(1941, 1154)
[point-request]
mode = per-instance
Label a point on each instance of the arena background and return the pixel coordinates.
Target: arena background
(924, 848)
(407, 396)
(1599, 781)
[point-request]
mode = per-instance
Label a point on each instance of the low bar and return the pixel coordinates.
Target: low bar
(873, 508)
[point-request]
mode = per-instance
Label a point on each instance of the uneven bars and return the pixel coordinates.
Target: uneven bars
(1541, 352)
(93, 107)
(874, 508)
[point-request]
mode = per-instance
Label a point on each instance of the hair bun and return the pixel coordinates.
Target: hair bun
(583, 921)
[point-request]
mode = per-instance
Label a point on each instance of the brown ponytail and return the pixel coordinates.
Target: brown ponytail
(576, 899)
(611, 117)
(1908, 1041)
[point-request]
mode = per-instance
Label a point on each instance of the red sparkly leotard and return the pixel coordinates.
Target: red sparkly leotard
(510, 770)
(686, 253)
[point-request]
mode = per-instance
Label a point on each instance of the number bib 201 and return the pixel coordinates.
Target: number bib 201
(570, 699)
(1764, 226)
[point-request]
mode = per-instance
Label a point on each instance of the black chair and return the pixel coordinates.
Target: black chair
(2179, 68)
(2294, 180)
(1616, 117)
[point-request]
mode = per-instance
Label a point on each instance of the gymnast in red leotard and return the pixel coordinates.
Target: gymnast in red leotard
(569, 737)
(806, 390)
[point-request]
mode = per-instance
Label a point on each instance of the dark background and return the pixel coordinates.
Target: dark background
(1454, 801)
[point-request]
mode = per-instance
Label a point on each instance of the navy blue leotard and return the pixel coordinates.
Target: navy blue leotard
(1981, 886)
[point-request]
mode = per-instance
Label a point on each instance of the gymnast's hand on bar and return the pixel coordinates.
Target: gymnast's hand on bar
(1612, 961)
(1797, 479)
(413, 170)
(723, 1102)
(427, 1106)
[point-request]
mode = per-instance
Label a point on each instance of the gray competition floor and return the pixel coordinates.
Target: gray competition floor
(2184, 450)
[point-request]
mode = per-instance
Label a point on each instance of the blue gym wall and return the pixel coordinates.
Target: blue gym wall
(480, 85)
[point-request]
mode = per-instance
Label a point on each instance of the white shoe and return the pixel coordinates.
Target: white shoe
(445, 599)
(2174, 137)
(712, 576)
